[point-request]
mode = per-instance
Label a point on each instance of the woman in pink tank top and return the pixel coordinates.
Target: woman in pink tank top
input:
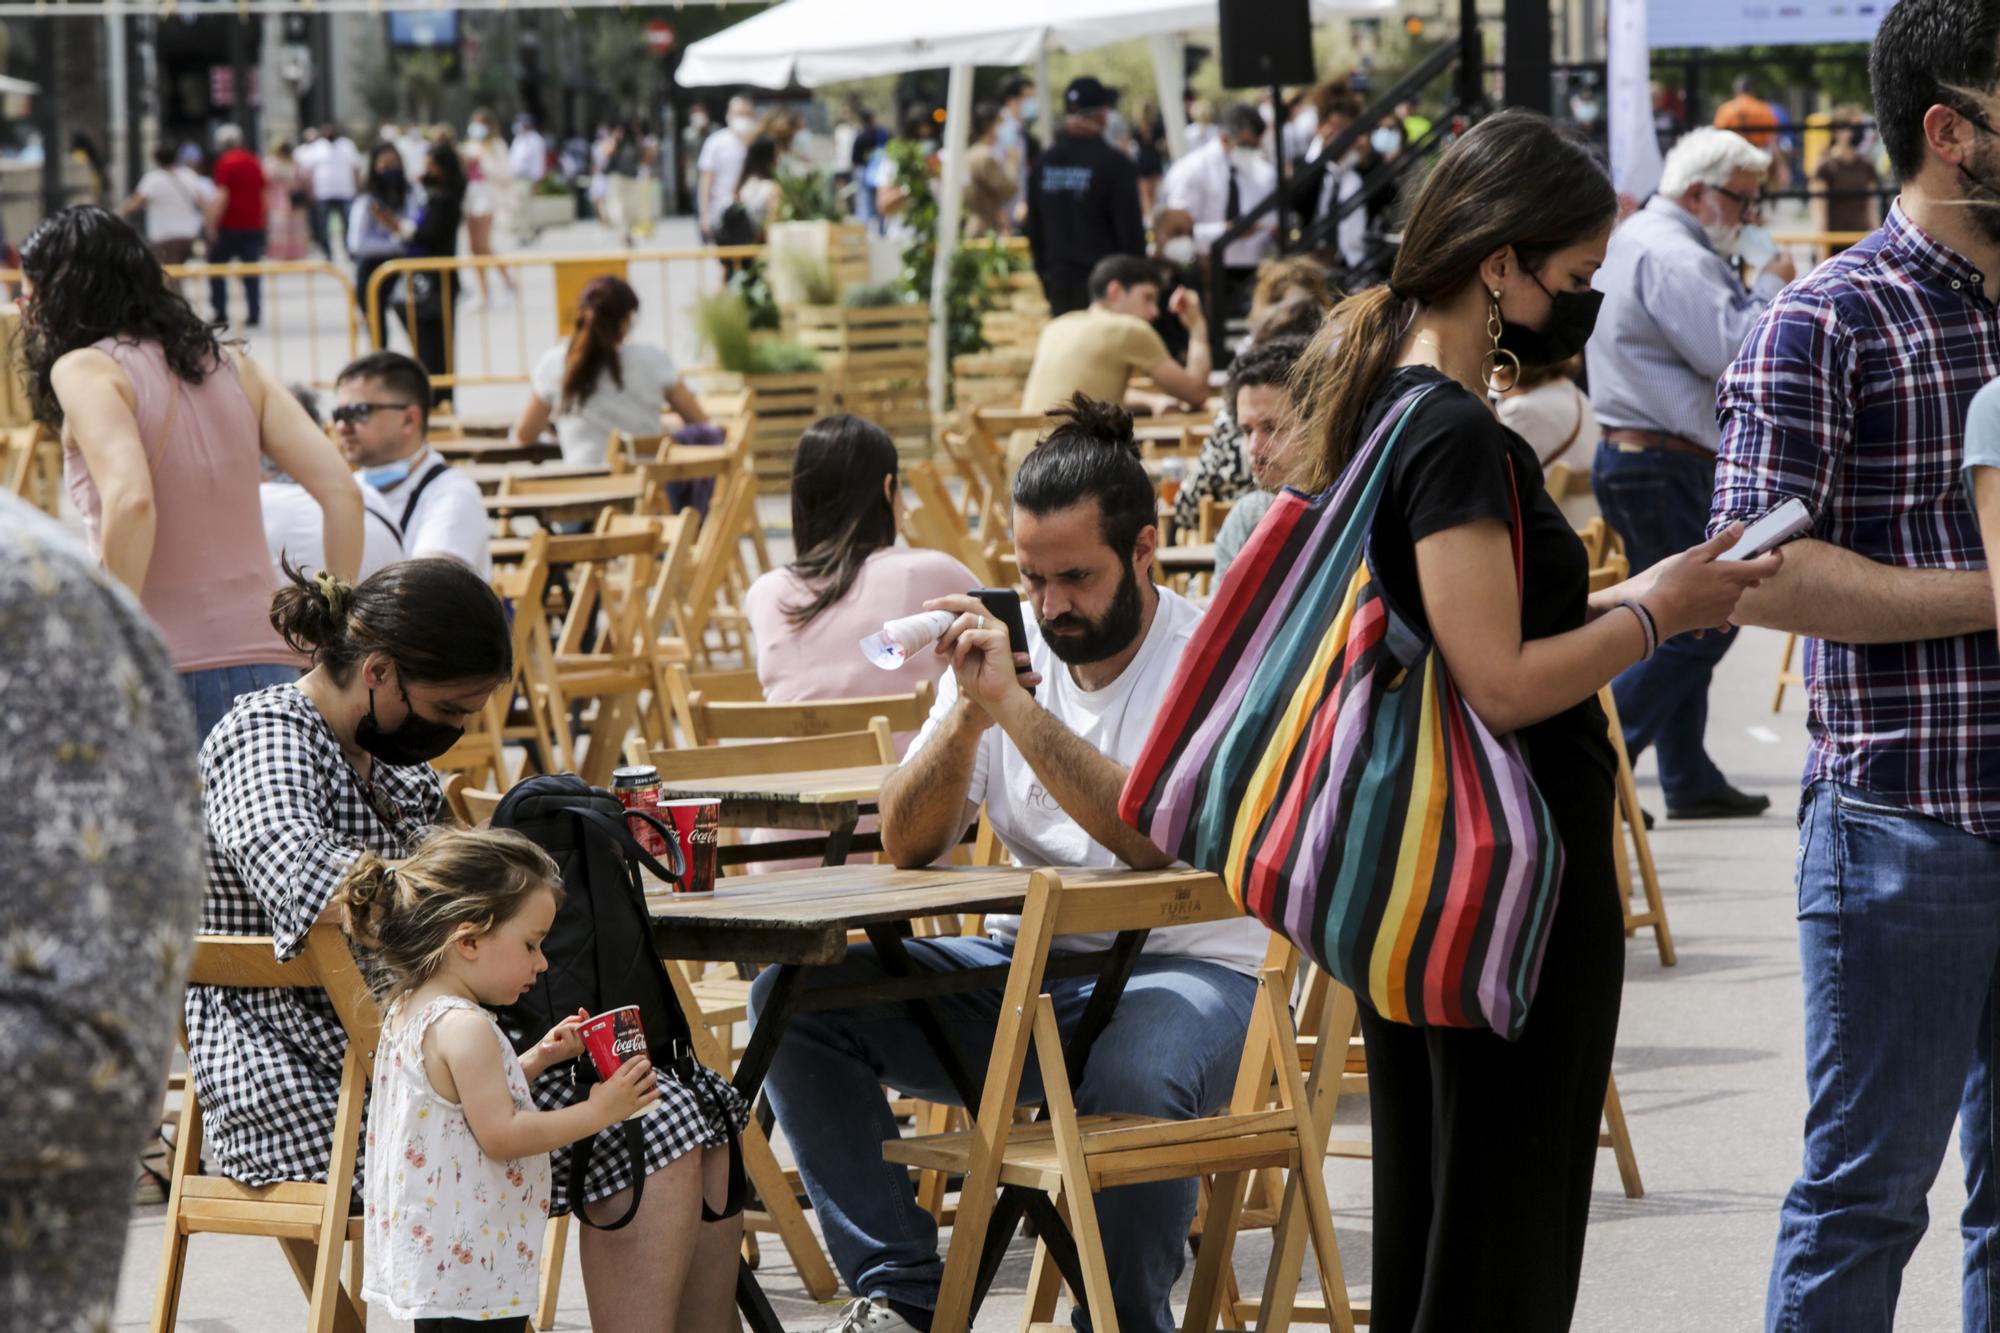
(162, 431)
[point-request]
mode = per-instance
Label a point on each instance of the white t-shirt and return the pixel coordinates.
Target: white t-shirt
(450, 517)
(634, 407)
(174, 199)
(722, 156)
(1115, 722)
(295, 529)
(333, 163)
(1555, 417)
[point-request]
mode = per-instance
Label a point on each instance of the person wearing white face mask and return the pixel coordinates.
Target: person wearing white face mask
(1675, 315)
(720, 166)
(1220, 182)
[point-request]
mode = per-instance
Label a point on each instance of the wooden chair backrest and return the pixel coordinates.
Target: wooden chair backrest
(714, 721)
(480, 803)
(1610, 574)
(812, 754)
(625, 450)
(325, 963)
(525, 483)
(730, 515)
(1592, 535)
(1214, 513)
(741, 686)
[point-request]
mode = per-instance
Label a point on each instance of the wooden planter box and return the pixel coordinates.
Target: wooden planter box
(841, 246)
(784, 405)
(878, 359)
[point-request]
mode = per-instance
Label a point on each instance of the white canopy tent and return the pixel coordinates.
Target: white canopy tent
(810, 42)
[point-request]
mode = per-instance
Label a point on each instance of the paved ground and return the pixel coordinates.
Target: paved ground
(1708, 1062)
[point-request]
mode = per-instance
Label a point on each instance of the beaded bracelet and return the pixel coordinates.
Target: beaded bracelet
(1647, 627)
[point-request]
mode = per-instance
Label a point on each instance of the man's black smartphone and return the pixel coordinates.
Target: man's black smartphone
(1004, 605)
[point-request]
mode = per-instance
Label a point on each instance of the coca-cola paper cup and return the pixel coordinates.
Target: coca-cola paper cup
(695, 823)
(612, 1038)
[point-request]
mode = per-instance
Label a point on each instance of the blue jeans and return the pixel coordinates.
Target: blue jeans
(1899, 935)
(233, 246)
(1658, 502)
(1171, 1049)
(213, 692)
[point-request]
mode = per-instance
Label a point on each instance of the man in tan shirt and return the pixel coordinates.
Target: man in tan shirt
(1096, 351)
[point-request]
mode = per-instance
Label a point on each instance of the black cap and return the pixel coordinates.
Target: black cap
(1087, 94)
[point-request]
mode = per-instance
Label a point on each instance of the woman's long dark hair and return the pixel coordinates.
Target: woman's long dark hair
(391, 196)
(760, 161)
(443, 171)
(1514, 179)
(93, 279)
(601, 313)
(840, 515)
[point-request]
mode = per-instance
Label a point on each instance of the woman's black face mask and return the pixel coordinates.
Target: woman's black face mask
(1572, 317)
(417, 741)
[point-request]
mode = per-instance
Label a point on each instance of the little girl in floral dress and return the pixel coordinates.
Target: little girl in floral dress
(456, 1186)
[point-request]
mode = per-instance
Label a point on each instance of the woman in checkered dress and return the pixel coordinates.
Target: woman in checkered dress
(298, 780)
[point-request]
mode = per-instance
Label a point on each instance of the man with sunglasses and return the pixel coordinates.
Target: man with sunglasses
(379, 422)
(1675, 314)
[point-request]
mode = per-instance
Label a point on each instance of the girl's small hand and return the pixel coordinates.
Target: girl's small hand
(626, 1092)
(563, 1043)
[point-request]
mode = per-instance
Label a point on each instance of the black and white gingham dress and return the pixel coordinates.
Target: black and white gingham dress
(286, 816)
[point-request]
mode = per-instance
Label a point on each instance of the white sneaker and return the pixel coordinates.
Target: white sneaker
(867, 1316)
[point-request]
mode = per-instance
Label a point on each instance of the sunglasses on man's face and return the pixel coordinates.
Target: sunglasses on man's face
(357, 414)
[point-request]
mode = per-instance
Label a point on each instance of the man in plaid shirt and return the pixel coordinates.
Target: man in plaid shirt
(1851, 394)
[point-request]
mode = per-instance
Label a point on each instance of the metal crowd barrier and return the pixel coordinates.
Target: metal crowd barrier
(303, 298)
(505, 339)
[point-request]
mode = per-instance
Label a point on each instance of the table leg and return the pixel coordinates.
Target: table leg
(751, 1300)
(896, 961)
(837, 842)
(770, 1026)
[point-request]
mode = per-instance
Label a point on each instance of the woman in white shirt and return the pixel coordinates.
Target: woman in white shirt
(596, 383)
(176, 201)
(1551, 412)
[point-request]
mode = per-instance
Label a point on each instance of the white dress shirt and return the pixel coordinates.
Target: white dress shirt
(1199, 184)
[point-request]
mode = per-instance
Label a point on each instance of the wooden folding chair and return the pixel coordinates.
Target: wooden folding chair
(311, 1220)
(1070, 1157)
(935, 521)
(1628, 820)
(741, 685)
(625, 584)
(1787, 674)
(703, 604)
(711, 722)
(992, 432)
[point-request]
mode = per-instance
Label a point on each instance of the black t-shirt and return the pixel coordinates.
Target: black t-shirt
(1450, 469)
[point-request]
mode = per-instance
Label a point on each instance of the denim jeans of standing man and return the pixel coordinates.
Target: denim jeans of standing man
(1171, 1049)
(1899, 937)
(213, 691)
(1658, 502)
(237, 246)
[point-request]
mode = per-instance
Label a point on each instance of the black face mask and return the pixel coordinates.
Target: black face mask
(418, 741)
(1572, 317)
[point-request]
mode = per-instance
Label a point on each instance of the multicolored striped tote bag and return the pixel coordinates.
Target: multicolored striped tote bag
(1315, 753)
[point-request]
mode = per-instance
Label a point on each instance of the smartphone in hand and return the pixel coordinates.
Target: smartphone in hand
(1776, 528)
(1004, 605)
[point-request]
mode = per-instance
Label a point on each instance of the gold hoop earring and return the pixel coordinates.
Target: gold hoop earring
(1500, 369)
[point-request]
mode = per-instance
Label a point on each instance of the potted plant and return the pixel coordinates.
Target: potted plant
(790, 386)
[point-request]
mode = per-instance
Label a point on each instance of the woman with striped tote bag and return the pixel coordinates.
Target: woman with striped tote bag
(1385, 735)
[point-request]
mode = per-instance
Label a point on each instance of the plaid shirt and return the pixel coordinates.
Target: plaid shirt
(1851, 395)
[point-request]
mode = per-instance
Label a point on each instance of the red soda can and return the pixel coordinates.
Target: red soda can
(638, 788)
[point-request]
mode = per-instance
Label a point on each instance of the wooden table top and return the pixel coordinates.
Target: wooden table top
(803, 916)
(684, 462)
(563, 504)
(474, 449)
(830, 786)
(1182, 558)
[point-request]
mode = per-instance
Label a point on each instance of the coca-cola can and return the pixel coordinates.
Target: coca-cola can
(696, 823)
(638, 788)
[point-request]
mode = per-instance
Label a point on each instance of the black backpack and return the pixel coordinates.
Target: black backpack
(601, 956)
